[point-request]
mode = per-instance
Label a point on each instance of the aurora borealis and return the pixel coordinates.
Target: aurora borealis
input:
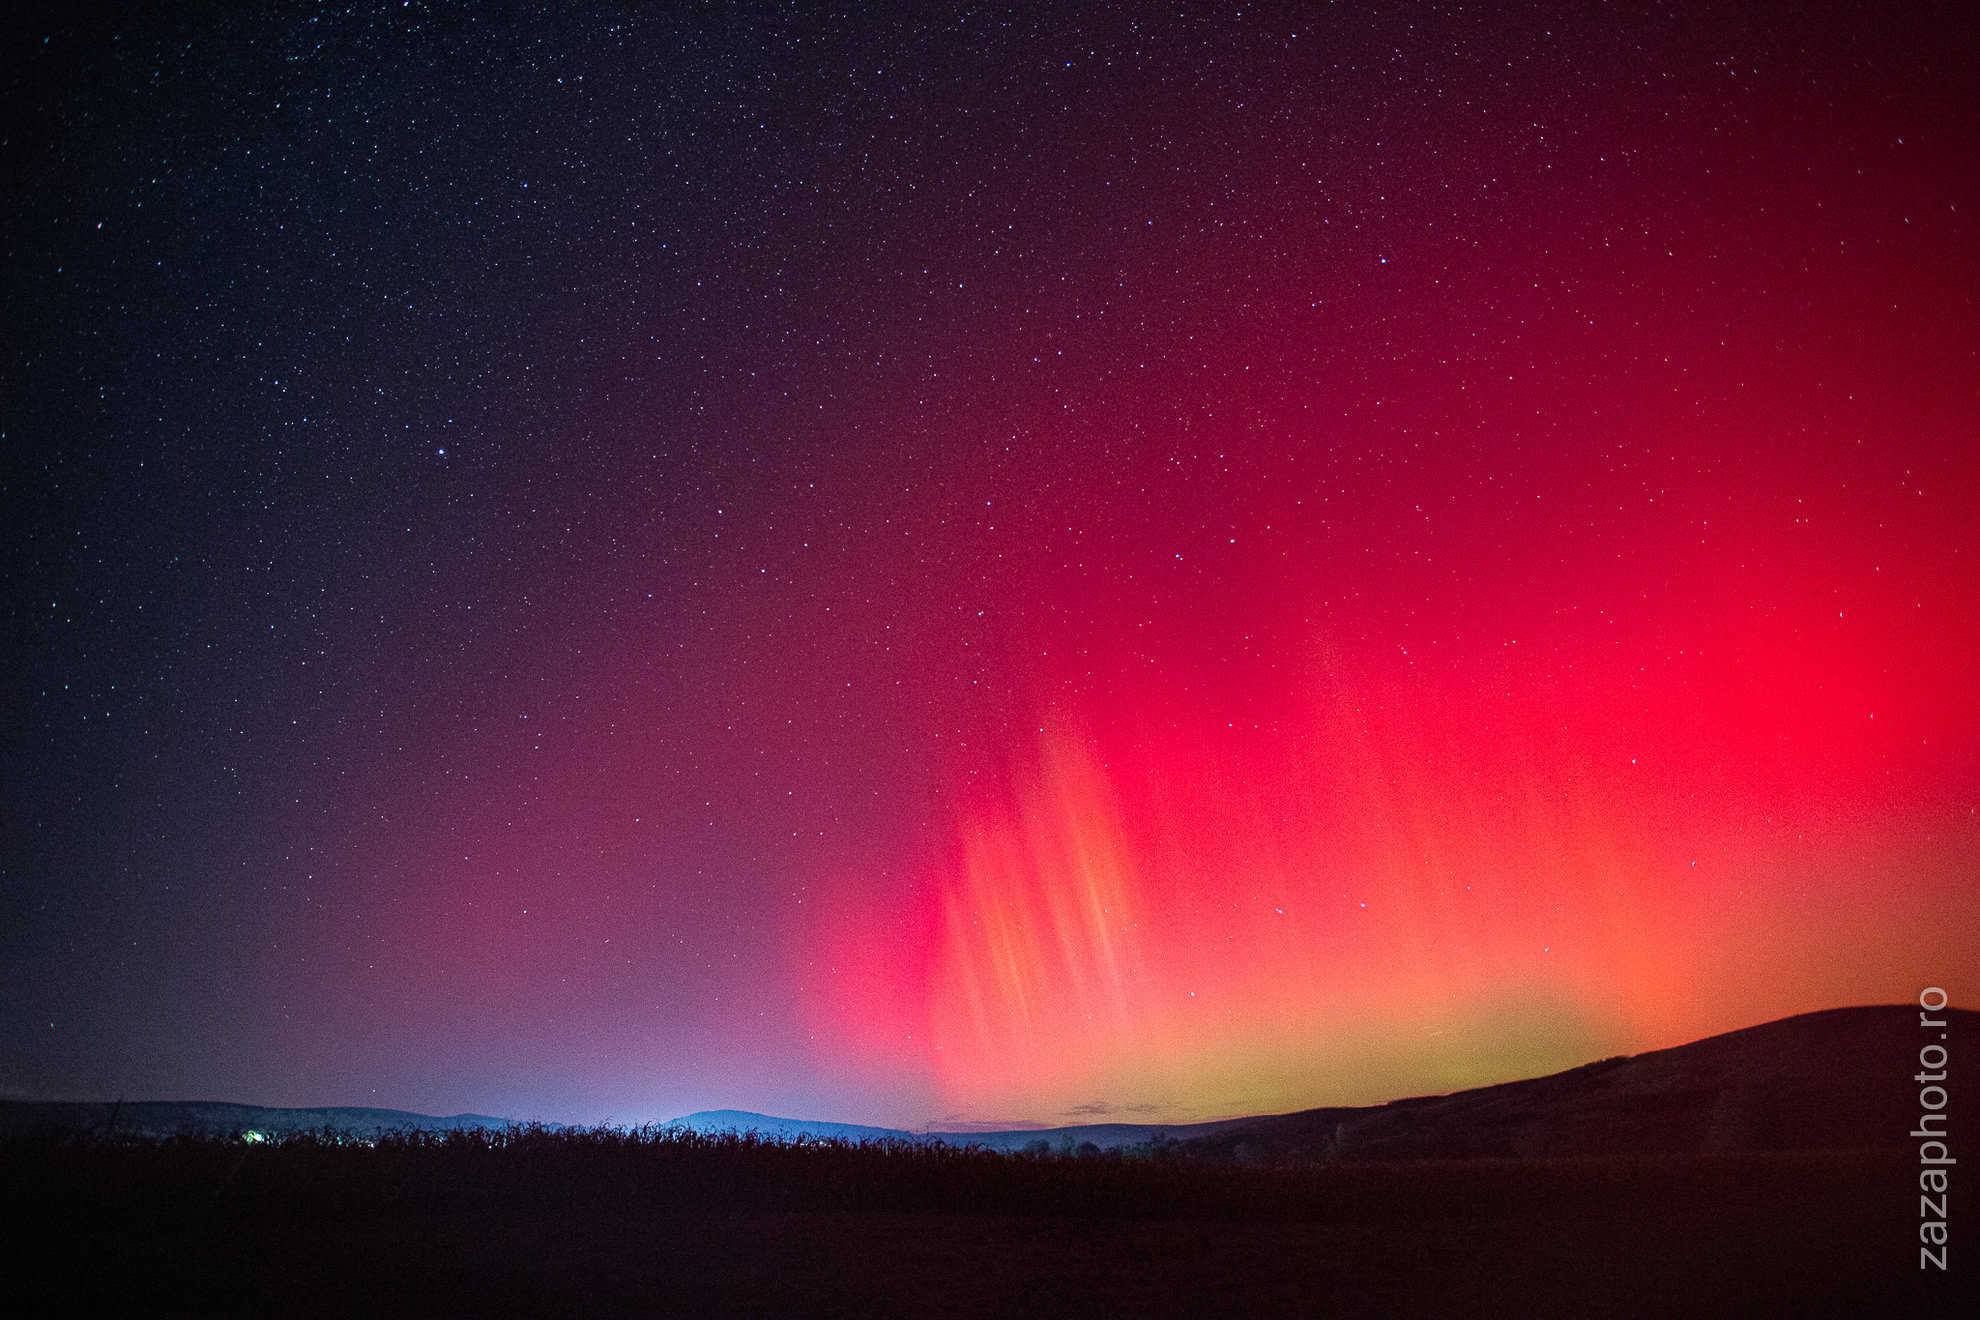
(978, 565)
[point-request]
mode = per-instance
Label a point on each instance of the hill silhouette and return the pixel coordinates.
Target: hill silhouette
(1102, 1136)
(216, 1118)
(1832, 1080)
(1837, 1079)
(1767, 1171)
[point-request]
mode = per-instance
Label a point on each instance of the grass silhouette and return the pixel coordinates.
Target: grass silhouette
(665, 1221)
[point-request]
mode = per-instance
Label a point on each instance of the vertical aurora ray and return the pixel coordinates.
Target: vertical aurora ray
(1630, 818)
(928, 567)
(1041, 964)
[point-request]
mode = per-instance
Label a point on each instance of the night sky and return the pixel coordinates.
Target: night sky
(1033, 563)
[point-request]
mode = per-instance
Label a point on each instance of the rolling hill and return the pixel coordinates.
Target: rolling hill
(1105, 1136)
(167, 1118)
(1831, 1080)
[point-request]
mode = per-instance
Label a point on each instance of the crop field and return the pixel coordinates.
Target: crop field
(666, 1222)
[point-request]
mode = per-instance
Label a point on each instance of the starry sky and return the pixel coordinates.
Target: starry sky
(977, 564)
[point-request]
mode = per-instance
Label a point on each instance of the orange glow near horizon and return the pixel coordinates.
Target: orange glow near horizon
(920, 569)
(1417, 881)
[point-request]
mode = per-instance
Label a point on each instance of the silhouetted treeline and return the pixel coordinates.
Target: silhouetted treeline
(670, 1222)
(667, 1169)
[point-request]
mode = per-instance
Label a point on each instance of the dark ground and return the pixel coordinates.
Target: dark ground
(561, 1224)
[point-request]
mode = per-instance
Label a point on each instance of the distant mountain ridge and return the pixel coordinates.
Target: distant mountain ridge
(1833, 1079)
(1836, 1079)
(1105, 1136)
(167, 1118)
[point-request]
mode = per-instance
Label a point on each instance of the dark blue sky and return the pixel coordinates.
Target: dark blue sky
(974, 563)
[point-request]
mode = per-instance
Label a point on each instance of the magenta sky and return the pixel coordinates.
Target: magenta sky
(960, 569)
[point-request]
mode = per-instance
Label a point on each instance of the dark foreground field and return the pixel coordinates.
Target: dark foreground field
(667, 1223)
